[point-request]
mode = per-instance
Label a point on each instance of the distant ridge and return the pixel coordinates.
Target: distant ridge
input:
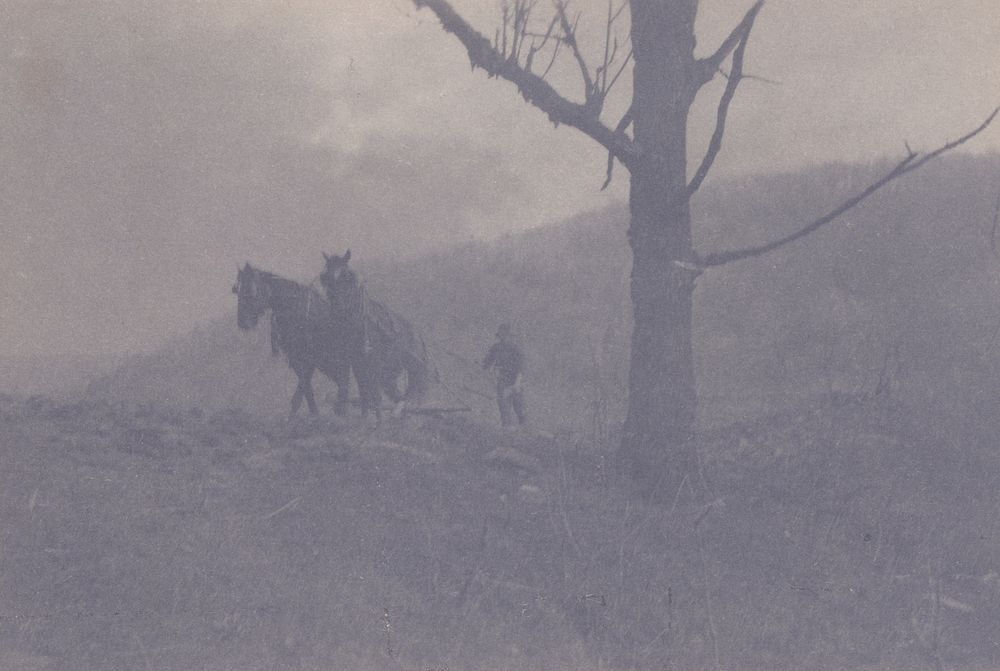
(911, 272)
(58, 376)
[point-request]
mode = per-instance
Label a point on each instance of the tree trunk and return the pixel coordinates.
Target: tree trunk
(657, 443)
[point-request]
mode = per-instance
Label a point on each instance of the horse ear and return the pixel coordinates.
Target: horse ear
(326, 257)
(347, 255)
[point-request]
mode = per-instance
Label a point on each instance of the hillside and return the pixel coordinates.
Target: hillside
(903, 286)
(62, 376)
(843, 515)
(139, 537)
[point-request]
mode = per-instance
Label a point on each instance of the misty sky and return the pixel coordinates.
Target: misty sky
(148, 147)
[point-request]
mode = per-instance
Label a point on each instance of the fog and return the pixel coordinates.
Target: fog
(149, 147)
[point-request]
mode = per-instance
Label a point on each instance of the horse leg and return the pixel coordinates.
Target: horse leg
(390, 382)
(373, 393)
(296, 398)
(302, 389)
(362, 375)
(417, 378)
(306, 382)
(373, 396)
(377, 402)
(417, 381)
(390, 370)
(342, 376)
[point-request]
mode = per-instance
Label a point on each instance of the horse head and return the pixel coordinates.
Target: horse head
(337, 277)
(251, 296)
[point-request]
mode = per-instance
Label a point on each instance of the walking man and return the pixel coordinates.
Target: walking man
(506, 359)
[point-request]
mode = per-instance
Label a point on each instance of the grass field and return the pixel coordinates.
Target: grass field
(830, 536)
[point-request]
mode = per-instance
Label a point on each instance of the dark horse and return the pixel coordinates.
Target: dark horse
(302, 326)
(383, 346)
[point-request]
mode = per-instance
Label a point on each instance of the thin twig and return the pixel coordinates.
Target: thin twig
(711, 64)
(569, 37)
(758, 78)
(628, 57)
(608, 55)
(618, 12)
(503, 45)
(533, 49)
(555, 54)
(522, 14)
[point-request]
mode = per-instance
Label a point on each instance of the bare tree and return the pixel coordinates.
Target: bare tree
(657, 439)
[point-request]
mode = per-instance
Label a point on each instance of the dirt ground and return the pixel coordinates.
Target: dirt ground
(137, 538)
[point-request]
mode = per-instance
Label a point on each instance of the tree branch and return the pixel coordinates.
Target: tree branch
(602, 87)
(522, 15)
(620, 128)
(908, 164)
(732, 83)
(609, 54)
(710, 65)
(569, 38)
(592, 99)
(535, 48)
(765, 80)
(533, 88)
(610, 85)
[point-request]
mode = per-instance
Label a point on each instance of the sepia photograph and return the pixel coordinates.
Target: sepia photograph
(499, 335)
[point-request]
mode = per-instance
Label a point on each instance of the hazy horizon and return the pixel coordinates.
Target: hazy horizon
(151, 147)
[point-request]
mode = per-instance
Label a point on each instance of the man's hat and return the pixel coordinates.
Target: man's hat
(503, 330)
